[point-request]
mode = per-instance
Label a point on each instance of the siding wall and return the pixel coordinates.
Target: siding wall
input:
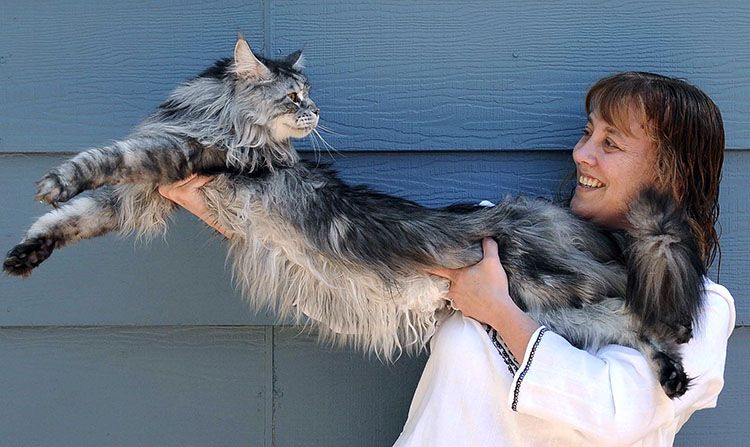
(114, 343)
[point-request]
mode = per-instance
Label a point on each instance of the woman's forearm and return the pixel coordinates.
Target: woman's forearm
(513, 325)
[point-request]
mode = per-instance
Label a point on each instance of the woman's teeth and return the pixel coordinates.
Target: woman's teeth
(590, 182)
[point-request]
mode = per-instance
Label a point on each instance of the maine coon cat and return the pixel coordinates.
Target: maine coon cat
(307, 245)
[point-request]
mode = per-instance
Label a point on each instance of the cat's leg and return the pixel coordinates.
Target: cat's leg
(145, 158)
(127, 209)
(82, 218)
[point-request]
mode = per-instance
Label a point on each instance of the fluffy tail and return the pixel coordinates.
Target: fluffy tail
(665, 270)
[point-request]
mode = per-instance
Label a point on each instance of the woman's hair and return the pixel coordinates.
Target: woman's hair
(688, 131)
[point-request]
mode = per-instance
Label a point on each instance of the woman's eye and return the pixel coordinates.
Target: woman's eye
(587, 132)
(610, 144)
(293, 97)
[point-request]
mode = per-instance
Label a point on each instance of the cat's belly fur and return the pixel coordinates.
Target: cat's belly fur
(279, 268)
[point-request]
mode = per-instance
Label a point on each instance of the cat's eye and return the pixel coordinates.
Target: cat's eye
(293, 96)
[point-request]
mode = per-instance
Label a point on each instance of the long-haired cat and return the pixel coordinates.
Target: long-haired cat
(305, 244)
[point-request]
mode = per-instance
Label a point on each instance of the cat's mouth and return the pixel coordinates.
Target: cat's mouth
(304, 129)
(284, 128)
(286, 131)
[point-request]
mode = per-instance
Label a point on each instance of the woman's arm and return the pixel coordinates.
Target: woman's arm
(186, 194)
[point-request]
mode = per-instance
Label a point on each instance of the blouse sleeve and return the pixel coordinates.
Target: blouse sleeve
(612, 394)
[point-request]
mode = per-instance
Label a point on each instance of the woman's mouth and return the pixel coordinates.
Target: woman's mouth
(589, 182)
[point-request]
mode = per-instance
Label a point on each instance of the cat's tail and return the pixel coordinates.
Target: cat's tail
(665, 269)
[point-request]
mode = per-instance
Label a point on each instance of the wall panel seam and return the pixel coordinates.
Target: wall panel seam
(269, 387)
(267, 28)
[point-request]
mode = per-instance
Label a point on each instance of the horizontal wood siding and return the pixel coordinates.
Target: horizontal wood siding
(117, 343)
(509, 75)
(77, 74)
(333, 397)
(416, 75)
(141, 386)
(176, 387)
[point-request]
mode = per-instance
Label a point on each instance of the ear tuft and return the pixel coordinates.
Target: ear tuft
(245, 62)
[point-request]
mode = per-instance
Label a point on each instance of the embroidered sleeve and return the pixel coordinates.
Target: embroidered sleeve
(502, 349)
(536, 338)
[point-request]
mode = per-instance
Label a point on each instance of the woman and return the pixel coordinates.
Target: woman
(509, 381)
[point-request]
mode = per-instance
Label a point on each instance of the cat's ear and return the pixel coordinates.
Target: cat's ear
(296, 60)
(245, 62)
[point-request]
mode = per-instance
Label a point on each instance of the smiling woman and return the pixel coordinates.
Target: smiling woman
(513, 382)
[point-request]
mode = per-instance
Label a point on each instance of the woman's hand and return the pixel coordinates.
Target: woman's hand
(478, 291)
(481, 292)
(186, 193)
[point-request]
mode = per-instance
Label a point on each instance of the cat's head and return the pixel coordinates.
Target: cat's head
(275, 92)
(248, 105)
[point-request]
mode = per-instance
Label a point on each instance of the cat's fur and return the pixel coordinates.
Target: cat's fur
(305, 244)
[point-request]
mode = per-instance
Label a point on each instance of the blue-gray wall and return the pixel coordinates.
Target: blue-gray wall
(115, 343)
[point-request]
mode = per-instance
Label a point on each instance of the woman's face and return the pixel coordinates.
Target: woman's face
(612, 166)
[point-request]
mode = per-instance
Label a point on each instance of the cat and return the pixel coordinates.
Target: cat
(307, 245)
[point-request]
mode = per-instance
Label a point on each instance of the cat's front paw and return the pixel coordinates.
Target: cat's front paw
(53, 189)
(22, 258)
(672, 375)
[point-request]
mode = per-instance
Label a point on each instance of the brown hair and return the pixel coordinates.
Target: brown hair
(688, 131)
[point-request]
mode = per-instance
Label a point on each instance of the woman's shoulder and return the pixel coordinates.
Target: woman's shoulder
(718, 300)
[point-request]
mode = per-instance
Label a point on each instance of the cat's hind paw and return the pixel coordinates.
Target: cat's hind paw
(24, 257)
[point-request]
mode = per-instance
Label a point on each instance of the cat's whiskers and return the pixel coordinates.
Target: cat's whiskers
(326, 145)
(315, 147)
(325, 129)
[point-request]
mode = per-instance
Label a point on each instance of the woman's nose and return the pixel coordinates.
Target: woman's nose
(585, 152)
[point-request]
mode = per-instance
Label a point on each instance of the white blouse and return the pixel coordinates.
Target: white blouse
(474, 393)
